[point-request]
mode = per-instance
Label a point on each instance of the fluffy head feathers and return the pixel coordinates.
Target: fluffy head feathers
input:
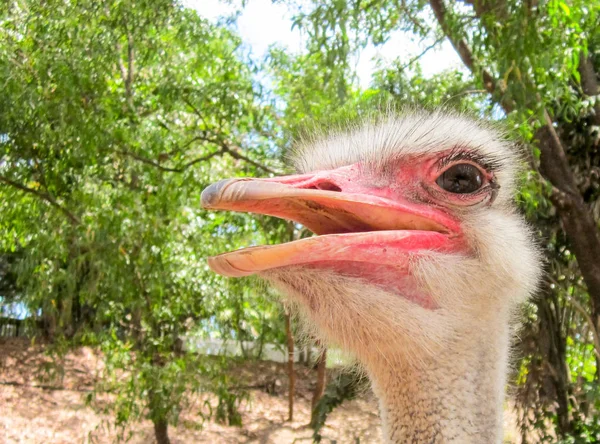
(377, 142)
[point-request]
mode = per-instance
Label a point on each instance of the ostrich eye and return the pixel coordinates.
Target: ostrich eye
(462, 178)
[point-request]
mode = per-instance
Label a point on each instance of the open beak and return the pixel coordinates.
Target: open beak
(358, 226)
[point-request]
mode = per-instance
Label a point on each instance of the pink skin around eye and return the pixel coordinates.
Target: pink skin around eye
(418, 179)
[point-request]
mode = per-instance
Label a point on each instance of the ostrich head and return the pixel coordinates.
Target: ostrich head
(417, 266)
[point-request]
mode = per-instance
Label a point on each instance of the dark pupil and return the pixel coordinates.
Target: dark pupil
(461, 179)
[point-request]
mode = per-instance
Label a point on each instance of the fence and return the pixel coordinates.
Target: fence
(13, 328)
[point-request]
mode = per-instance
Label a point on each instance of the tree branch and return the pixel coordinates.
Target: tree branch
(196, 111)
(223, 148)
(418, 25)
(130, 64)
(148, 161)
(482, 7)
(200, 159)
(44, 196)
(180, 148)
(425, 51)
(464, 51)
(554, 164)
(236, 155)
(232, 151)
(179, 169)
(588, 319)
(127, 73)
(589, 83)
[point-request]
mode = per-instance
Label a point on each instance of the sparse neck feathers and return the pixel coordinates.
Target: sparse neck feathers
(454, 397)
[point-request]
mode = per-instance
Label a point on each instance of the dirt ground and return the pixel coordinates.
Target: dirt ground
(34, 409)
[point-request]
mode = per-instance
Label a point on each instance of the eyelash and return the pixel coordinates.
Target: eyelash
(455, 156)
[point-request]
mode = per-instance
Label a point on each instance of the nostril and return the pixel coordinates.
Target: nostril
(328, 186)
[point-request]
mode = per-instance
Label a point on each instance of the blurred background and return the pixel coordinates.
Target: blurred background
(114, 115)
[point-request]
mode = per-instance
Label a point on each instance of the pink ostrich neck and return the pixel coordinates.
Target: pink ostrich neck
(454, 397)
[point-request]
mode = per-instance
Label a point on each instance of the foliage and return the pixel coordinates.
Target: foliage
(113, 117)
(344, 386)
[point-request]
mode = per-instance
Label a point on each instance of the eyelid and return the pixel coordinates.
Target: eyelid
(487, 166)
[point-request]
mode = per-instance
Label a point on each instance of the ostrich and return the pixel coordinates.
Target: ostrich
(418, 264)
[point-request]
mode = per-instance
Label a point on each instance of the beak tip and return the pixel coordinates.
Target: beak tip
(212, 193)
(212, 264)
(225, 268)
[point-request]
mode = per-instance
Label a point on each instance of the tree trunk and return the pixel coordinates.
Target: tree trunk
(321, 382)
(291, 374)
(577, 220)
(48, 323)
(549, 309)
(161, 432)
(589, 83)
(261, 339)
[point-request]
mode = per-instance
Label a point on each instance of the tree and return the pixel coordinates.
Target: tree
(320, 385)
(290, 365)
(113, 117)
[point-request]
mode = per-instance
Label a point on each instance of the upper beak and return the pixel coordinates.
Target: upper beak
(322, 212)
(379, 229)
